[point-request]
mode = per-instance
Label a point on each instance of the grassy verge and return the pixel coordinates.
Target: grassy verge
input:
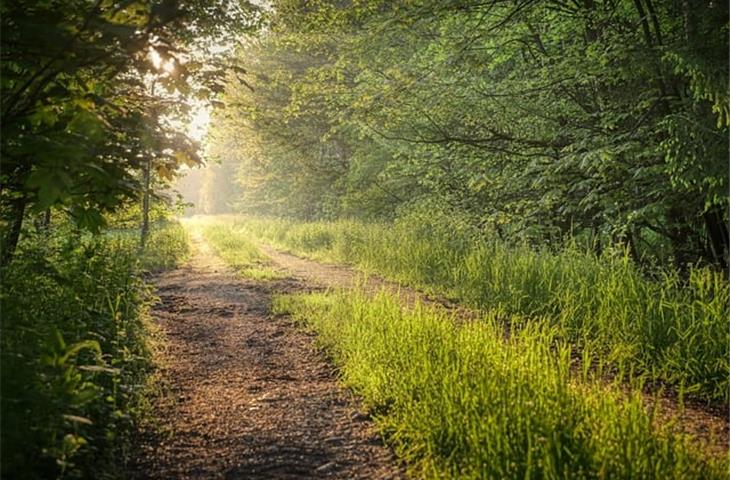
(237, 250)
(168, 245)
(458, 401)
(670, 329)
(76, 353)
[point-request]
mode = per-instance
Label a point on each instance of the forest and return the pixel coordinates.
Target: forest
(364, 239)
(530, 121)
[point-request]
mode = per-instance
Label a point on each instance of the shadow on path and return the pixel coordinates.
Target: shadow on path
(249, 396)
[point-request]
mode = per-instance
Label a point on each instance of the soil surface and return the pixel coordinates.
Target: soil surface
(248, 394)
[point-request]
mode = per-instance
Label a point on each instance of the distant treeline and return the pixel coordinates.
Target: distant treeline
(532, 120)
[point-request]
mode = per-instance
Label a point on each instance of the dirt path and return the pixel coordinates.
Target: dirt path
(250, 396)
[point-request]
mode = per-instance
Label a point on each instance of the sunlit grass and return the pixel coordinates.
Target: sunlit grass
(458, 400)
(666, 328)
(233, 247)
(237, 250)
(262, 273)
(168, 245)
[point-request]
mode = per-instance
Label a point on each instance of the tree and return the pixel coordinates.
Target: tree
(603, 120)
(76, 122)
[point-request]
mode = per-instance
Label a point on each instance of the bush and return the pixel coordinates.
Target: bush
(167, 246)
(75, 352)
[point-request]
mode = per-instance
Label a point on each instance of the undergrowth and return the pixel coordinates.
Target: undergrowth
(167, 246)
(75, 349)
(460, 401)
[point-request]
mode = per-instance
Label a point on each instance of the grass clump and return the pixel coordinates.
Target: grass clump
(167, 246)
(670, 328)
(265, 274)
(461, 401)
(232, 246)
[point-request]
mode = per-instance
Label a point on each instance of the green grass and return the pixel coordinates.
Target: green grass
(666, 328)
(265, 274)
(75, 349)
(461, 401)
(237, 250)
(168, 245)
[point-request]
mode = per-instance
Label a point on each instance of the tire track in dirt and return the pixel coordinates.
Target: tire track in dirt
(249, 396)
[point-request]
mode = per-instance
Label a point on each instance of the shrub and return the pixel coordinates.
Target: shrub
(75, 350)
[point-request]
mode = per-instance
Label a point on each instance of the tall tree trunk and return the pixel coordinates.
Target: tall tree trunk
(680, 234)
(10, 242)
(591, 32)
(716, 223)
(47, 219)
(631, 244)
(144, 233)
(644, 19)
(655, 22)
(43, 222)
(690, 20)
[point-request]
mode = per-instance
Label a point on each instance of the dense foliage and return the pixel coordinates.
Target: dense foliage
(95, 99)
(92, 96)
(75, 350)
(533, 120)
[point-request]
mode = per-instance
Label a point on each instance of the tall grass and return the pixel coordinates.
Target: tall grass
(75, 350)
(167, 246)
(673, 330)
(234, 248)
(460, 401)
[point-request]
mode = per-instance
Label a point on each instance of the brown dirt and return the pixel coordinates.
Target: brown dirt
(249, 396)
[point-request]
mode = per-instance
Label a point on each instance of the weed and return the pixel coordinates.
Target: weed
(237, 250)
(75, 350)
